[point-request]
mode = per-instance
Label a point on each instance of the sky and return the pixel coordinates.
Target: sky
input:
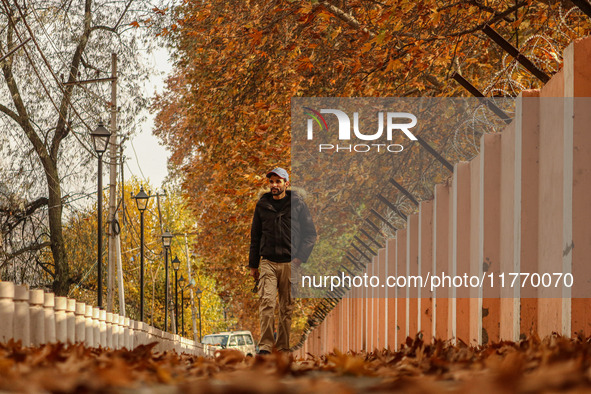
(146, 158)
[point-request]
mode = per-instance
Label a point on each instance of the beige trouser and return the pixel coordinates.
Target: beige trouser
(275, 278)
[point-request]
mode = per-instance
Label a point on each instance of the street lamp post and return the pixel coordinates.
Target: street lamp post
(100, 138)
(176, 264)
(199, 300)
(141, 200)
(166, 241)
(182, 280)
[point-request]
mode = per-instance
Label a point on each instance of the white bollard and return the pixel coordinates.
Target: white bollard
(115, 323)
(21, 323)
(172, 343)
(6, 311)
(147, 329)
(177, 341)
(108, 329)
(37, 317)
(115, 333)
(166, 342)
(144, 333)
(127, 334)
(96, 323)
(151, 335)
(80, 335)
(103, 326)
(71, 320)
(158, 338)
(121, 336)
(89, 321)
(49, 310)
(136, 334)
(61, 324)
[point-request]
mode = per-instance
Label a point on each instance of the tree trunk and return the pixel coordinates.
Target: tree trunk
(61, 282)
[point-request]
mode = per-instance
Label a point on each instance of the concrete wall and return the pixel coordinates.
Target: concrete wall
(522, 205)
(36, 318)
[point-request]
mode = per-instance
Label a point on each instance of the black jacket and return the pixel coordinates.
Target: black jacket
(275, 236)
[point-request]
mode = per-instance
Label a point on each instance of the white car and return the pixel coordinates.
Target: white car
(239, 340)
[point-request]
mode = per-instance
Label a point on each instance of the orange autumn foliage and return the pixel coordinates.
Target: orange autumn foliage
(225, 114)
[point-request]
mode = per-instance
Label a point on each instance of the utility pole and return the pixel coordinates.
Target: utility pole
(112, 188)
(119, 262)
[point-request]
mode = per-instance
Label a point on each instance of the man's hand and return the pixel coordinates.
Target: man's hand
(254, 272)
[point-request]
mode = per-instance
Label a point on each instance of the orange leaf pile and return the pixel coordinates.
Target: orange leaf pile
(532, 365)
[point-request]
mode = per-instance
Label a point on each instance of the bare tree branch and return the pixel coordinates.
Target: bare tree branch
(30, 248)
(10, 113)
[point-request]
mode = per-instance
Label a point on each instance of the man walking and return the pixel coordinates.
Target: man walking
(282, 238)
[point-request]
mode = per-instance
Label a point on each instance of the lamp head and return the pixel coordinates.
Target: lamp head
(100, 138)
(141, 199)
(176, 263)
(166, 239)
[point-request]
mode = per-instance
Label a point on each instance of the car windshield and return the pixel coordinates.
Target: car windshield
(215, 340)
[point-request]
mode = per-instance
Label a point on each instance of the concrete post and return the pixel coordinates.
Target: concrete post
(103, 327)
(391, 331)
(21, 323)
(144, 331)
(127, 332)
(471, 295)
(577, 185)
(177, 347)
(358, 318)
(137, 334)
(489, 236)
(344, 325)
(550, 202)
(71, 320)
(37, 317)
(168, 341)
(412, 267)
(89, 323)
(362, 310)
(80, 335)
(382, 311)
(401, 293)
(509, 323)
(375, 316)
(460, 264)
(109, 330)
(150, 334)
(440, 264)
(116, 327)
(121, 339)
(6, 311)
(49, 311)
(158, 335)
(371, 312)
(525, 213)
(425, 301)
(96, 326)
(61, 322)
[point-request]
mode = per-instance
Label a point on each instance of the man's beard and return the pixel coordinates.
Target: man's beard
(276, 190)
